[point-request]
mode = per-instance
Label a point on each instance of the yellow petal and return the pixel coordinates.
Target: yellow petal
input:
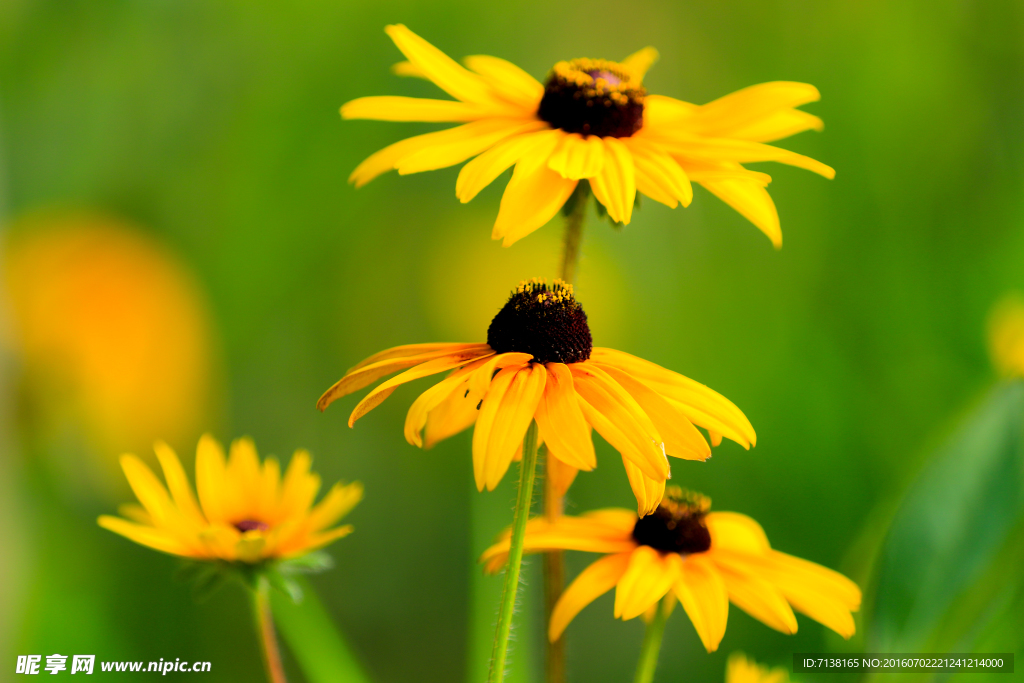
(270, 488)
(703, 595)
(335, 505)
(755, 595)
(752, 202)
(702, 406)
(578, 157)
(444, 71)
(735, 532)
(317, 541)
(210, 478)
(648, 492)
(561, 420)
(648, 578)
(451, 416)
(592, 583)
(407, 69)
(508, 81)
(658, 175)
(510, 422)
(682, 439)
(135, 513)
(144, 535)
(779, 125)
(299, 488)
(482, 376)
(431, 367)
(615, 414)
(558, 474)
(147, 489)
(639, 62)
(244, 472)
(416, 418)
(531, 199)
(753, 104)
(485, 168)
(615, 185)
(177, 482)
(387, 362)
(392, 108)
(485, 134)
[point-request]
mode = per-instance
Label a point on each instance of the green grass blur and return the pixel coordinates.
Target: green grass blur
(853, 350)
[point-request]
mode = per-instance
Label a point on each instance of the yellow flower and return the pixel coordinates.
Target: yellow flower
(244, 513)
(1006, 335)
(739, 669)
(102, 314)
(539, 364)
(705, 559)
(592, 120)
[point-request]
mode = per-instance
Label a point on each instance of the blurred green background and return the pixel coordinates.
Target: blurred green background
(213, 128)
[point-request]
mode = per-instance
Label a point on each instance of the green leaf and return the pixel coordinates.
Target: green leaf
(313, 639)
(944, 563)
(310, 563)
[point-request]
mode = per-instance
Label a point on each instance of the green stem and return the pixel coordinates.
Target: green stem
(573, 235)
(527, 473)
(265, 628)
(652, 644)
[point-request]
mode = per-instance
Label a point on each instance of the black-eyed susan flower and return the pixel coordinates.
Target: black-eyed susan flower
(245, 512)
(591, 121)
(539, 363)
(741, 669)
(704, 559)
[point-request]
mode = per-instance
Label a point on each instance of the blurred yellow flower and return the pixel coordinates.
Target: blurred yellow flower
(705, 559)
(112, 329)
(245, 512)
(740, 669)
(539, 364)
(1006, 335)
(592, 120)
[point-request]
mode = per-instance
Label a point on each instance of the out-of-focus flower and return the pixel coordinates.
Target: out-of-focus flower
(1006, 335)
(740, 669)
(705, 559)
(112, 329)
(592, 120)
(245, 512)
(539, 363)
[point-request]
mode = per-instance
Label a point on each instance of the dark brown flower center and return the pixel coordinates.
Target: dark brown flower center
(544, 321)
(251, 525)
(593, 97)
(677, 526)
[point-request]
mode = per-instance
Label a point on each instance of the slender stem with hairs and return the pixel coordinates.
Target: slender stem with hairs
(554, 561)
(527, 474)
(265, 629)
(652, 643)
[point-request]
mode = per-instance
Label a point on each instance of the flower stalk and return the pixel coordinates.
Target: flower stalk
(554, 561)
(651, 647)
(265, 628)
(527, 474)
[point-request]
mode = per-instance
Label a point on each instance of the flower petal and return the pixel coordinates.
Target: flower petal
(488, 132)
(508, 81)
(210, 472)
(416, 418)
(299, 488)
(393, 108)
(640, 61)
(145, 535)
(561, 420)
(615, 185)
(335, 505)
(658, 175)
(751, 201)
(648, 492)
(444, 71)
(754, 594)
(531, 199)
(736, 532)
(648, 578)
(510, 422)
(485, 168)
(592, 583)
(578, 157)
(177, 482)
(431, 367)
(384, 363)
(703, 595)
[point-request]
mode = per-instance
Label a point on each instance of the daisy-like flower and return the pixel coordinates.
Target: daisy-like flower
(539, 363)
(245, 512)
(740, 669)
(592, 120)
(705, 559)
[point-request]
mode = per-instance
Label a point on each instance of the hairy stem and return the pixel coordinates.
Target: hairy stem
(265, 628)
(573, 235)
(527, 473)
(652, 644)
